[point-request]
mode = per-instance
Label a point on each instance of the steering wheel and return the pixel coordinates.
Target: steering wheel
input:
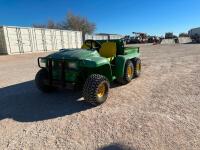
(93, 45)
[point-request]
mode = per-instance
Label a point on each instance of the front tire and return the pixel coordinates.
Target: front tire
(96, 89)
(40, 79)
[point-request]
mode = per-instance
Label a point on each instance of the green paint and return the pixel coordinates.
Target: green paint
(90, 62)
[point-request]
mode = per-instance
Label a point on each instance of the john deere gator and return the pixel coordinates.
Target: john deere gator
(93, 67)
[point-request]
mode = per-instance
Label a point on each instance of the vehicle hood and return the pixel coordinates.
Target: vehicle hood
(74, 54)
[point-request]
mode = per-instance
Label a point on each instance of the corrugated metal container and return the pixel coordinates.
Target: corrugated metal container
(15, 40)
(102, 37)
(2, 42)
(194, 31)
(38, 36)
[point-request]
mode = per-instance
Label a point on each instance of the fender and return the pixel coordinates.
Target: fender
(120, 64)
(97, 65)
(121, 61)
(94, 62)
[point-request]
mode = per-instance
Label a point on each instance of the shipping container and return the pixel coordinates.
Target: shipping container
(16, 40)
(38, 36)
(2, 42)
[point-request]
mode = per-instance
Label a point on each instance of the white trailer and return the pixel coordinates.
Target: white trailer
(96, 37)
(17, 40)
(103, 37)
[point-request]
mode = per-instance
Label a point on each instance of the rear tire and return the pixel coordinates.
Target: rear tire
(128, 73)
(40, 79)
(137, 67)
(96, 89)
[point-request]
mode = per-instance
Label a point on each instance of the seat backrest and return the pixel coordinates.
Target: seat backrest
(108, 49)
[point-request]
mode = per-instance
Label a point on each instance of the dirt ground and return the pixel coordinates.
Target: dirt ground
(158, 111)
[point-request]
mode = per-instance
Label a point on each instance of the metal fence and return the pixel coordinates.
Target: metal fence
(15, 40)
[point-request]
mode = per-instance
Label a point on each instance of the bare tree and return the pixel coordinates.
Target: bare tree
(71, 22)
(39, 25)
(52, 25)
(78, 23)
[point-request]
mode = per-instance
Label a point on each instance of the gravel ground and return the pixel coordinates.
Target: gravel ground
(159, 110)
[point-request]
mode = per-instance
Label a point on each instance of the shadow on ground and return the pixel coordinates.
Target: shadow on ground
(24, 103)
(116, 146)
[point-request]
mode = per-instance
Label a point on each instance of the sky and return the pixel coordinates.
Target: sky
(154, 17)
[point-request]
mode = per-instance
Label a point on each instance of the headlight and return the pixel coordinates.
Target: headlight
(42, 62)
(72, 65)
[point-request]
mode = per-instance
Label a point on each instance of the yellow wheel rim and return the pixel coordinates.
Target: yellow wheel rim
(130, 71)
(138, 67)
(101, 90)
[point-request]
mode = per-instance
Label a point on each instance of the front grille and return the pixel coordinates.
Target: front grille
(57, 64)
(59, 71)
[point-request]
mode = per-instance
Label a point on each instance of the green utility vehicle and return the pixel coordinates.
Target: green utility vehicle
(93, 67)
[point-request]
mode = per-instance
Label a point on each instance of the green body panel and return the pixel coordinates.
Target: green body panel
(89, 62)
(85, 58)
(130, 54)
(74, 54)
(97, 66)
(103, 70)
(94, 62)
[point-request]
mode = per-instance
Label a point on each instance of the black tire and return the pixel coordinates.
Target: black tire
(91, 89)
(127, 76)
(40, 79)
(137, 67)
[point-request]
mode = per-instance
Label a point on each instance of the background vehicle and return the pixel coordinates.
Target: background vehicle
(93, 67)
(140, 37)
(127, 39)
(170, 35)
(153, 39)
